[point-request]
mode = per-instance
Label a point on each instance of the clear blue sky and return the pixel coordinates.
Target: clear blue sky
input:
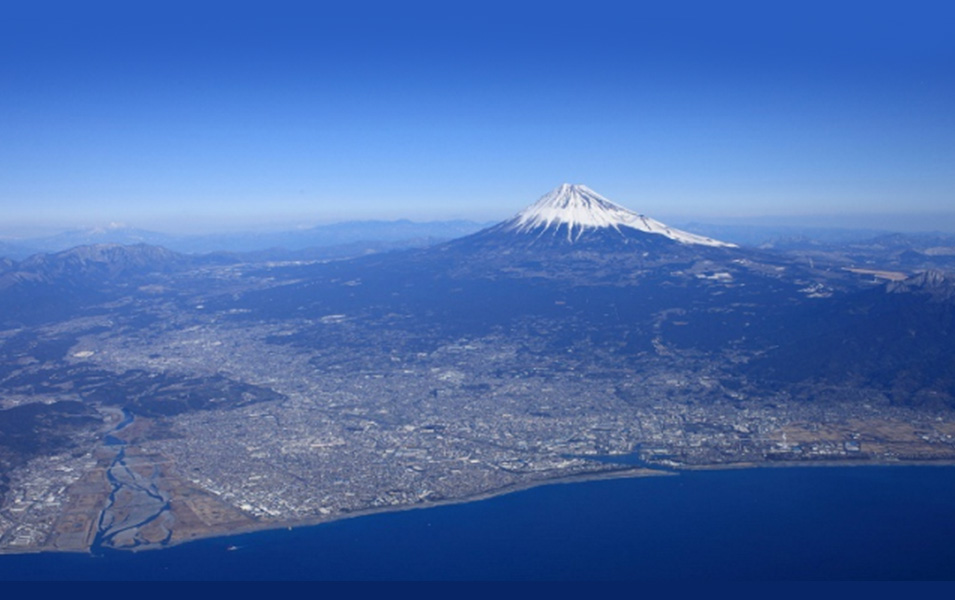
(169, 115)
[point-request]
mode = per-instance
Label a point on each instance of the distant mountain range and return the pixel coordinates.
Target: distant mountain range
(351, 238)
(845, 247)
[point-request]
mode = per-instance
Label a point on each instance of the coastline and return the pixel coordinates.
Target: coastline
(624, 473)
(621, 473)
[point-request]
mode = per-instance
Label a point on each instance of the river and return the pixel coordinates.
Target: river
(137, 512)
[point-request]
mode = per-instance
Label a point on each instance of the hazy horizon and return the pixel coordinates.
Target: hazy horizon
(900, 222)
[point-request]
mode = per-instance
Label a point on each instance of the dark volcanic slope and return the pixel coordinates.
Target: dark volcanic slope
(899, 338)
(627, 294)
(618, 290)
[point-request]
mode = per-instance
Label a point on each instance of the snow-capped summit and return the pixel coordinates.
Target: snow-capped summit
(572, 210)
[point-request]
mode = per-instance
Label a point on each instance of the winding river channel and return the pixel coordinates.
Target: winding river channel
(137, 513)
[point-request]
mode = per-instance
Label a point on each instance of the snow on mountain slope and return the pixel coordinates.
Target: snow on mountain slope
(577, 208)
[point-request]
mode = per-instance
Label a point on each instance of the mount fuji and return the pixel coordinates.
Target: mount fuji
(571, 214)
(574, 227)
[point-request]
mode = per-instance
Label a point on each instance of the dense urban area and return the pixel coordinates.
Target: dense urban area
(180, 406)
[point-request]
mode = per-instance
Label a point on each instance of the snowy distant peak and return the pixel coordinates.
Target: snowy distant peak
(577, 208)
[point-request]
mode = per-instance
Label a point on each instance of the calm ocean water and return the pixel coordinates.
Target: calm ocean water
(817, 523)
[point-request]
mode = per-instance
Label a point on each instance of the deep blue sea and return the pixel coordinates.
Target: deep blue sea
(786, 523)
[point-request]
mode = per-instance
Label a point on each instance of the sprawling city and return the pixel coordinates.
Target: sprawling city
(419, 290)
(202, 399)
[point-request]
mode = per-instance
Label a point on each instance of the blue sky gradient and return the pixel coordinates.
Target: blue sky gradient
(179, 116)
